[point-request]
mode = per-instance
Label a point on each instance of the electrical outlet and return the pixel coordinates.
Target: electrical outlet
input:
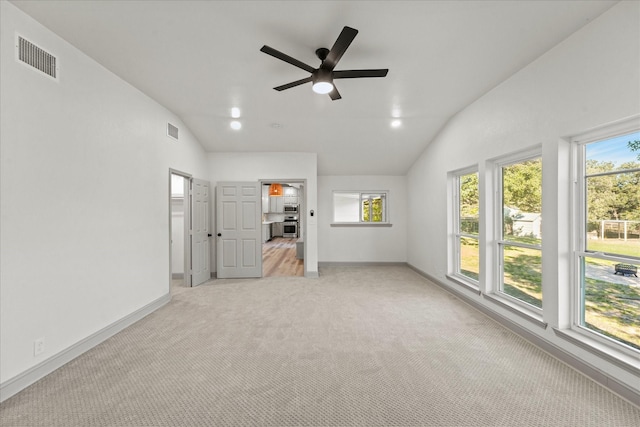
(38, 346)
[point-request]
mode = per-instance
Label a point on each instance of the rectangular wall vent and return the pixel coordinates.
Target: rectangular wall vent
(172, 131)
(38, 58)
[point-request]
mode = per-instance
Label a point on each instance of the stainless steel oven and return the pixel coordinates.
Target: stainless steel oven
(290, 229)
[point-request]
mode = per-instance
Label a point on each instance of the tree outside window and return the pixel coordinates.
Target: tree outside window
(610, 241)
(467, 211)
(520, 243)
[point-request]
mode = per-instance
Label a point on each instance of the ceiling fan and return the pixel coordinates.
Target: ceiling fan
(323, 76)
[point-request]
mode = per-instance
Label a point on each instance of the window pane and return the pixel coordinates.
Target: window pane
(522, 202)
(469, 258)
(468, 204)
(373, 208)
(522, 274)
(613, 154)
(346, 207)
(613, 199)
(611, 299)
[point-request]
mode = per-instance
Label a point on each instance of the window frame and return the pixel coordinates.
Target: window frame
(497, 292)
(455, 250)
(385, 208)
(590, 337)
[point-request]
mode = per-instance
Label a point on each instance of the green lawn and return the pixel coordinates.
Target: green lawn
(610, 308)
(614, 246)
(613, 310)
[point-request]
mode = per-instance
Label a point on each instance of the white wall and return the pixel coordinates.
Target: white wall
(363, 244)
(84, 194)
(590, 79)
(272, 166)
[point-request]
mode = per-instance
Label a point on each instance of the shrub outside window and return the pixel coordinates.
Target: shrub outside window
(608, 241)
(520, 233)
(360, 207)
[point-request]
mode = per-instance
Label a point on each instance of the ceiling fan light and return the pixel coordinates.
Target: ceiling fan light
(322, 87)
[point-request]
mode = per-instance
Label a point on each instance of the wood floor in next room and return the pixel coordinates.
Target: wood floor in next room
(279, 258)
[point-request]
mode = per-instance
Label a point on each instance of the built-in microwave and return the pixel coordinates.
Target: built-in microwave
(291, 209)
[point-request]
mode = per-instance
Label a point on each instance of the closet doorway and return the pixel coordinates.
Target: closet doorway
(179, 225)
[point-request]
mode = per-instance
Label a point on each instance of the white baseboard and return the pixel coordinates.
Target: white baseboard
(44, 368)
(361, 264)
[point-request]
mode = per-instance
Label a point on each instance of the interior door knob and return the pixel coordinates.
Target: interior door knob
(209, 234)
(219, 234)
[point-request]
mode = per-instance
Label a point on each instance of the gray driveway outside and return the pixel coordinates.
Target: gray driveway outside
(606, 274)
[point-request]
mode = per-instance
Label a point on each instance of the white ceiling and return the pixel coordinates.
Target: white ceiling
(200, 58)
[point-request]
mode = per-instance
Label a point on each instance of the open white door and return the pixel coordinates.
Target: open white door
(239, 228)
(200, 258)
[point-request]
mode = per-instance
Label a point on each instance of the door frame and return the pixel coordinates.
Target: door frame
(301, 213)
(186, 276)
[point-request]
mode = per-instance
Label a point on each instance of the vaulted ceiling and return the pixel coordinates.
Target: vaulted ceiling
(201, 58)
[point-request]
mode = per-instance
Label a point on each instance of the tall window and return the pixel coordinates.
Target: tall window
(520, 233)
(466, 225)
(609, 238)
(360, 207)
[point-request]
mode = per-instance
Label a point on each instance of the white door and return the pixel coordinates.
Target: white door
(200, 258)
(239, 229)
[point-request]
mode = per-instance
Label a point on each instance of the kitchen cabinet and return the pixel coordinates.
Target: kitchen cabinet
(290, 196)
(276, 204)
(276, 229)
(266, 233)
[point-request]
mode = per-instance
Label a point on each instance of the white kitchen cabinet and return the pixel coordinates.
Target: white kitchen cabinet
(276, 204)
(266, 233)
(276, 229)
(290, 196)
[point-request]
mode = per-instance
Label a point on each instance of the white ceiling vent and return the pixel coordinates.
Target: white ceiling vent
(37, 57)
(172, 131)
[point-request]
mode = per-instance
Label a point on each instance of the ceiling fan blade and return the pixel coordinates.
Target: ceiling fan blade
(352, 74)
(339, 47)
(293, 84)
(334, 94)
(286, 58)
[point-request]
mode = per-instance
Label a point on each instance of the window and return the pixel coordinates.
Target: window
(520, 231)
(360, 207)
(608, 239)
(466, 211)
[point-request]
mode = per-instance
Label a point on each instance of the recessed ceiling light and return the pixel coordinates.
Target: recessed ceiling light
(396, 123)
(236, 125)
(235, 112)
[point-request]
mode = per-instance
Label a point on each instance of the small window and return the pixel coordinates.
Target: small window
(351, 207)
(466, 211)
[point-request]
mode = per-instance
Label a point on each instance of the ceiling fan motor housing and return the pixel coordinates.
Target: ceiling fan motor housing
(322, 75)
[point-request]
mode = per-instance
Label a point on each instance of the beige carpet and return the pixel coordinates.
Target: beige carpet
(358, 347)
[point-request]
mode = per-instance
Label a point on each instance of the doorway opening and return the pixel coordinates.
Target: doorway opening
(179, 226)
(283, 227)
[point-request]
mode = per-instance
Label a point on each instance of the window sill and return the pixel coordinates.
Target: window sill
(529, 315)
(463, 281)
(360, 224)
(608, 352)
